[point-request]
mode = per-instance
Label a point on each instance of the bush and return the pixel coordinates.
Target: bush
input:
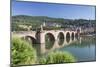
(57, 57)
(22, 52)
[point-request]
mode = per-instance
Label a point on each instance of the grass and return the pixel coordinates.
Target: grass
(57, 57)
(22, 52)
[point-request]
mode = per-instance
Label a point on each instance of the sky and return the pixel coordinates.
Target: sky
(67, 11)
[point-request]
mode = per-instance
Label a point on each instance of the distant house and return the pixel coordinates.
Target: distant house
(25, 27)
(51, 24)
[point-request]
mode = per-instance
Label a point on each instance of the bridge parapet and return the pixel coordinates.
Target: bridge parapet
(24, 33)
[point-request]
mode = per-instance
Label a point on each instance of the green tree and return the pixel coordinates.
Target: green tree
(22, 52)
(57, 57)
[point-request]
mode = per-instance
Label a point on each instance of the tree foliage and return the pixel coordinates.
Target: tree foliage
(22, 52)
(36, 21)
(58, 57)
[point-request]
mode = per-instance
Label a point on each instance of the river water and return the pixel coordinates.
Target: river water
(83, 48)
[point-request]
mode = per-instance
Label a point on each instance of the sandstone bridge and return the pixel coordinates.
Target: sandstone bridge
(40, 36)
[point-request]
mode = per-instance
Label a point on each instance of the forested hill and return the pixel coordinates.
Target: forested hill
(41, 19)
(36, 21)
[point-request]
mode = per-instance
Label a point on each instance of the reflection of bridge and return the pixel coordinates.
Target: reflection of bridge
(40, 37)
(56, 45)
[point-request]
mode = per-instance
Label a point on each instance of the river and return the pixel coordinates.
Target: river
(83, 48)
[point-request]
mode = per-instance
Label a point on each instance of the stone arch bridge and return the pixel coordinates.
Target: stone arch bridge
(40, 36)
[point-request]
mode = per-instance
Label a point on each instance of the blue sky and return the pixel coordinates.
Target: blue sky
(53, 10)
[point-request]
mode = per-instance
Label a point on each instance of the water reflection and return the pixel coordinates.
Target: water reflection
(77, 46)
(51, 45)
(84, 48)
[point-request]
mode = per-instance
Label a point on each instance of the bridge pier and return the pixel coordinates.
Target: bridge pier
(42, 38)
(56, 37)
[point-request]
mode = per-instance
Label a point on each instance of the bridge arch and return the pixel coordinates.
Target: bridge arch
(68, 37)
(31, 39)
(49, 40)
(60, 38)
(49, 36)
(72, 35)
(60, 35)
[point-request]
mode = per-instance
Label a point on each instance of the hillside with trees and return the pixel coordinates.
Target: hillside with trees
(36, 21)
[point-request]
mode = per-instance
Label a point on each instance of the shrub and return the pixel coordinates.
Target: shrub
(58, 57)
(22, 52)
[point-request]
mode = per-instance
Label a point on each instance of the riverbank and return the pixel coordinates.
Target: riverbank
(92, 35)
